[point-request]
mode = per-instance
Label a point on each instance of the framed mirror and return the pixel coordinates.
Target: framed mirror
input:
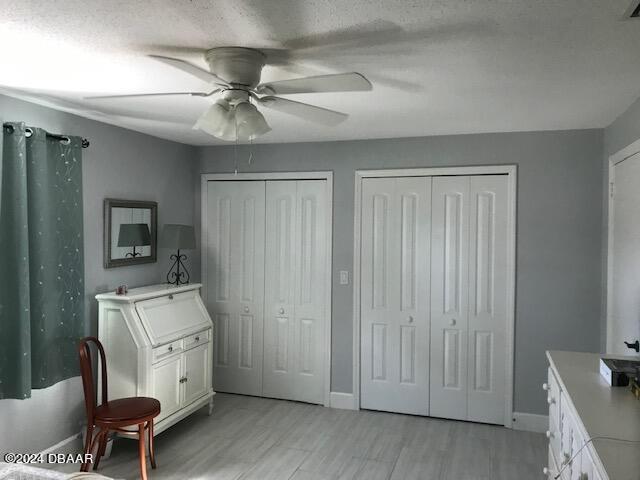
(130, 232)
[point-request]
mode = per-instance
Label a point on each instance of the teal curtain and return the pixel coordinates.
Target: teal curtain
(41, 259)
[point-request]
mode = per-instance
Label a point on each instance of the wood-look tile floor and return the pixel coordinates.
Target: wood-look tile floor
(263, 439)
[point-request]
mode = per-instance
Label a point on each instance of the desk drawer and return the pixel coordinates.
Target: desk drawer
(165, 351)
(196, 339)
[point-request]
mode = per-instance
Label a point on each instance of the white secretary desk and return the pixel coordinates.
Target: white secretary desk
(158, 342)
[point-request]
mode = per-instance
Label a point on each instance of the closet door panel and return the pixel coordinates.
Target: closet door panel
(449, 297)
(310, 294)
(394, 296)
(379, 292)
(279, 362)
(487, 297)
(235, 282)
(295, 290)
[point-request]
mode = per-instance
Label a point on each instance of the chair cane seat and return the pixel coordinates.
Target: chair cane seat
(124, 409)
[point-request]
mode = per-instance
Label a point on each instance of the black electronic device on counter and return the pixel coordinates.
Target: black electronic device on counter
(618, 372)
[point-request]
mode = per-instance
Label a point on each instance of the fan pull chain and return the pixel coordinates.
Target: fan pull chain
(235, 148)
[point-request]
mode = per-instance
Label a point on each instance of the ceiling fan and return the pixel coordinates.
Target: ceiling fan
(235, 77)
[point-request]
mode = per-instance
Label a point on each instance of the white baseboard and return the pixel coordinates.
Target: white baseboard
(60, 446)
(345, 401)
(530, 422)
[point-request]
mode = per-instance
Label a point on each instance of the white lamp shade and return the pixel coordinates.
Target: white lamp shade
(216, 119)
(250, 121)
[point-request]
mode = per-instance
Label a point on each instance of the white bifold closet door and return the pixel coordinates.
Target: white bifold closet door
(235, 283)
(266, 286)
(395, 294)
(295, 290)
(469, 298)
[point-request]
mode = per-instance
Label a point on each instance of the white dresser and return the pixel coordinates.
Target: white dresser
(582, 406)
(158, 342)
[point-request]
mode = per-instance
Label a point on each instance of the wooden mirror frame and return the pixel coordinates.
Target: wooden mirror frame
(110, 203)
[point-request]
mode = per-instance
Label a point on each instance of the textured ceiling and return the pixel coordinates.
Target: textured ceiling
(437, 67)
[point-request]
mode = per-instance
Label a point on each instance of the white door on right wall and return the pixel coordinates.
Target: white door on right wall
(469, 297)
(623, 323)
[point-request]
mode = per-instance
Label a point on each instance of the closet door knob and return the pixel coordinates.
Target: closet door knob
(281, 311)
(453, 322)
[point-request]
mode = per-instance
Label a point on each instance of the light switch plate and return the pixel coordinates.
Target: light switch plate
(344, 277)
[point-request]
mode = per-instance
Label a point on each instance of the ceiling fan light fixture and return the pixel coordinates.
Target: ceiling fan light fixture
(251, 123)
(216, 119)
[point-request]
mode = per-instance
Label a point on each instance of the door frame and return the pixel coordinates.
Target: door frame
(511, 171)
(618, 157)
(317, 175)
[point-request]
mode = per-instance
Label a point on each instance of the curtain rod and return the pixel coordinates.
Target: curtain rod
(85, 142)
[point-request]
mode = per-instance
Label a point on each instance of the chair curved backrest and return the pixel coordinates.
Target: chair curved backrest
(86, 370)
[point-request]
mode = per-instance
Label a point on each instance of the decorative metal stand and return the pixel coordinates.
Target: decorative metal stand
(180, 275)
(133, 254)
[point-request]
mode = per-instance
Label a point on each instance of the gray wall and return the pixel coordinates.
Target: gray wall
(119, 164)
(558, 241)
(622, 132)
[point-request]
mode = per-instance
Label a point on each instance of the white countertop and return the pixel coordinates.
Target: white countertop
(604, 410)
(147, 292)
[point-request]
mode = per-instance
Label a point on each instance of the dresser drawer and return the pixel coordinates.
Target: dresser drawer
(552, 466)
(166, 350)
(553, 395)
(554, 434)
(196, 339)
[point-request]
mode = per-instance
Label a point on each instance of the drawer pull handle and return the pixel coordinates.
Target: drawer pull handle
(453, 322)
(170, 297)
(549, 434)
(551, 400)
(281, 311)
(170, 348)
(545, 387)
(246, 309)
(183, 379)
(197, 339)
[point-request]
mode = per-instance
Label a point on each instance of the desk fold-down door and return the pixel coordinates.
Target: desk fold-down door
(173, 316)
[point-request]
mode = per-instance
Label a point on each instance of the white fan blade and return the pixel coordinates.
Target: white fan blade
(305, 111)
(70, 106)
(136, 95)
(340, 82)
(192, 69)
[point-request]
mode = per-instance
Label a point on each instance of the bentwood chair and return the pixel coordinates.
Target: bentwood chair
(113, 415)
